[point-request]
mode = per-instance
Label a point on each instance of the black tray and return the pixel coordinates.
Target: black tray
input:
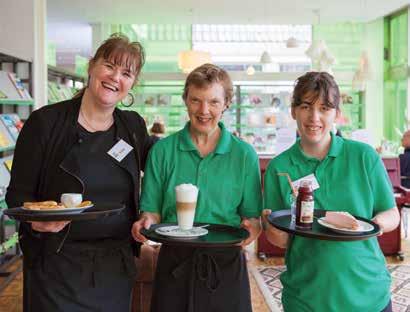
(218, 236)
(98, 211)
(282, 220)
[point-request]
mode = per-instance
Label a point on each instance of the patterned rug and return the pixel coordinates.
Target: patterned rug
(268, 281)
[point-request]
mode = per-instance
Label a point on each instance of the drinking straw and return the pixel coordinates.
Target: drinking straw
(285, 174)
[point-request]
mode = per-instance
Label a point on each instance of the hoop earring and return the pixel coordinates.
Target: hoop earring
(128, 100)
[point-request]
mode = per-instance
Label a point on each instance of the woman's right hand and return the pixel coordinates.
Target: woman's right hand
(145, 221)
(274, 236)
(52, 226)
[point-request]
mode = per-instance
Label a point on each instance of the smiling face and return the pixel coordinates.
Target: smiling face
(205, 107)
(315, 121)
(109, 82)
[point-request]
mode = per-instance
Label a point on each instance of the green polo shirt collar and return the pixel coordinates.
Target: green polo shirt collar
(298, 157)
(223, 147)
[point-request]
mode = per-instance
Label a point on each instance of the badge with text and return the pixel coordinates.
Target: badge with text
(120, 150)
(311, 177)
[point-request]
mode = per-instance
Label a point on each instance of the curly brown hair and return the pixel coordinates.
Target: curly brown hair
(206, 75)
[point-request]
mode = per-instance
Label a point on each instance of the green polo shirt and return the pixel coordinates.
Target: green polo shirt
(228, 178)
(329, 275)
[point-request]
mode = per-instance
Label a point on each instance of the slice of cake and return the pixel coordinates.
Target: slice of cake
(341, 219)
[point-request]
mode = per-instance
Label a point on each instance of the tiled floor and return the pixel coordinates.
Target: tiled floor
(11, 297)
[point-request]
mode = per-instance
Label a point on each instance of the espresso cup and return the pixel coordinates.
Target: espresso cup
(186, 199)
(71, 200)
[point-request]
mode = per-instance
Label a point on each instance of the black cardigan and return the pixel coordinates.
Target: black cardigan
(42, 157)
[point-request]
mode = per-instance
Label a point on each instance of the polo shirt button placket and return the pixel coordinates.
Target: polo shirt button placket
(200, 172)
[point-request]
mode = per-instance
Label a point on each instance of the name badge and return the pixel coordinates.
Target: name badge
(311, 177)
(120, 150)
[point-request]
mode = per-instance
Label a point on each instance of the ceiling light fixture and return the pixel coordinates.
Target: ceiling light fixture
(250, 71)
(191, 59)
(292, 42)
(318, 52)
(265, 58)
(362, 74)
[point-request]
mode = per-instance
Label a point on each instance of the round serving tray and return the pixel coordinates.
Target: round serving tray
(97, 211)
(218, 236)
(281, 219)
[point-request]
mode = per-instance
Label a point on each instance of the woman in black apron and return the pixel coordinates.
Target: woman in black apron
(226, 172)
(83, 265)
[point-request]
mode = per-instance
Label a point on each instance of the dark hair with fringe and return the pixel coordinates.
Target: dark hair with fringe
(317, 85)
(121, 51)
(206, 75)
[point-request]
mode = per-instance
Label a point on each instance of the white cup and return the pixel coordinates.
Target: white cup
(186, 198)
(71, 200)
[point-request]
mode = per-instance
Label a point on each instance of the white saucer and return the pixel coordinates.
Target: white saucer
(363, 227)
(60, 210)
(175, 231)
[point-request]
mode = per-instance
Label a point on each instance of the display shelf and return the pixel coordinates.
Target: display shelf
(16, 102)
(353, 111)
(64, 74)
(63, 84)
(259, 108)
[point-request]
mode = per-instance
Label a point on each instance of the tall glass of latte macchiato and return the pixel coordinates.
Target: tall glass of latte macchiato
(186, 197)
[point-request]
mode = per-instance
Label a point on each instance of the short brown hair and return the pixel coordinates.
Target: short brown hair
(206, 75)
(157, 128)
(321, 84)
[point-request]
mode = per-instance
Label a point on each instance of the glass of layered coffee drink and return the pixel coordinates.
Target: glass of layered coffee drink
(186, 198)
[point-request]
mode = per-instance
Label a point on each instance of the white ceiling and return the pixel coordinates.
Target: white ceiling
(219, 11)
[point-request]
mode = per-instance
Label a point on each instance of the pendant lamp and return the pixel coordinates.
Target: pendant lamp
(265, 58)
(191, 59)
(292, 42)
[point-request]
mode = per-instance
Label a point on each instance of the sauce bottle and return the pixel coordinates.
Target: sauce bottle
(304, 205)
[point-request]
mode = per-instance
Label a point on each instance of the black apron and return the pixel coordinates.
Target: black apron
(201, 280)
(93, 269)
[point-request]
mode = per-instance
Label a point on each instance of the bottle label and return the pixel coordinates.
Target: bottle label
(306, 211)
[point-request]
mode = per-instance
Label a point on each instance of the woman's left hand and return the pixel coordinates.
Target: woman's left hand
(253, 226)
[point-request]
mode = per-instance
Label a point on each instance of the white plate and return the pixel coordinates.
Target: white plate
(60, 210)
(363, 227)
(175, 231)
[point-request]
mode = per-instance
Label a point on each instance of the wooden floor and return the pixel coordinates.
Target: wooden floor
(11, 296)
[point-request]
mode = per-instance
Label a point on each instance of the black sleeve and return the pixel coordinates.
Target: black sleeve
(27, 162)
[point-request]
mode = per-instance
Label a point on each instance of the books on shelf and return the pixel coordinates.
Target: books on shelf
(58, 93)
(4, 141)
(19, 86)
(13, 124)
(8, 163)
(12, 88)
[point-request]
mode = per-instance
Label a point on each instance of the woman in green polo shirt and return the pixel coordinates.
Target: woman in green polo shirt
(226, 171)
(329, 275)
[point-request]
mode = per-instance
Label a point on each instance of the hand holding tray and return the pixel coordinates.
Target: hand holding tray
(281, 219)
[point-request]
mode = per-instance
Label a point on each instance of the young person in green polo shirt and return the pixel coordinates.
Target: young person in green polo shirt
(226, 171)
(331, 276)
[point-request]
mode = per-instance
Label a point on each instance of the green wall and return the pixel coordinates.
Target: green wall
(395, 74)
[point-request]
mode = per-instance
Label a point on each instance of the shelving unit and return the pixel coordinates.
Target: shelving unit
(255, 114)
(62, 84)
(260, 107)
(17, 103)
(159, 102)
(353, 112)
